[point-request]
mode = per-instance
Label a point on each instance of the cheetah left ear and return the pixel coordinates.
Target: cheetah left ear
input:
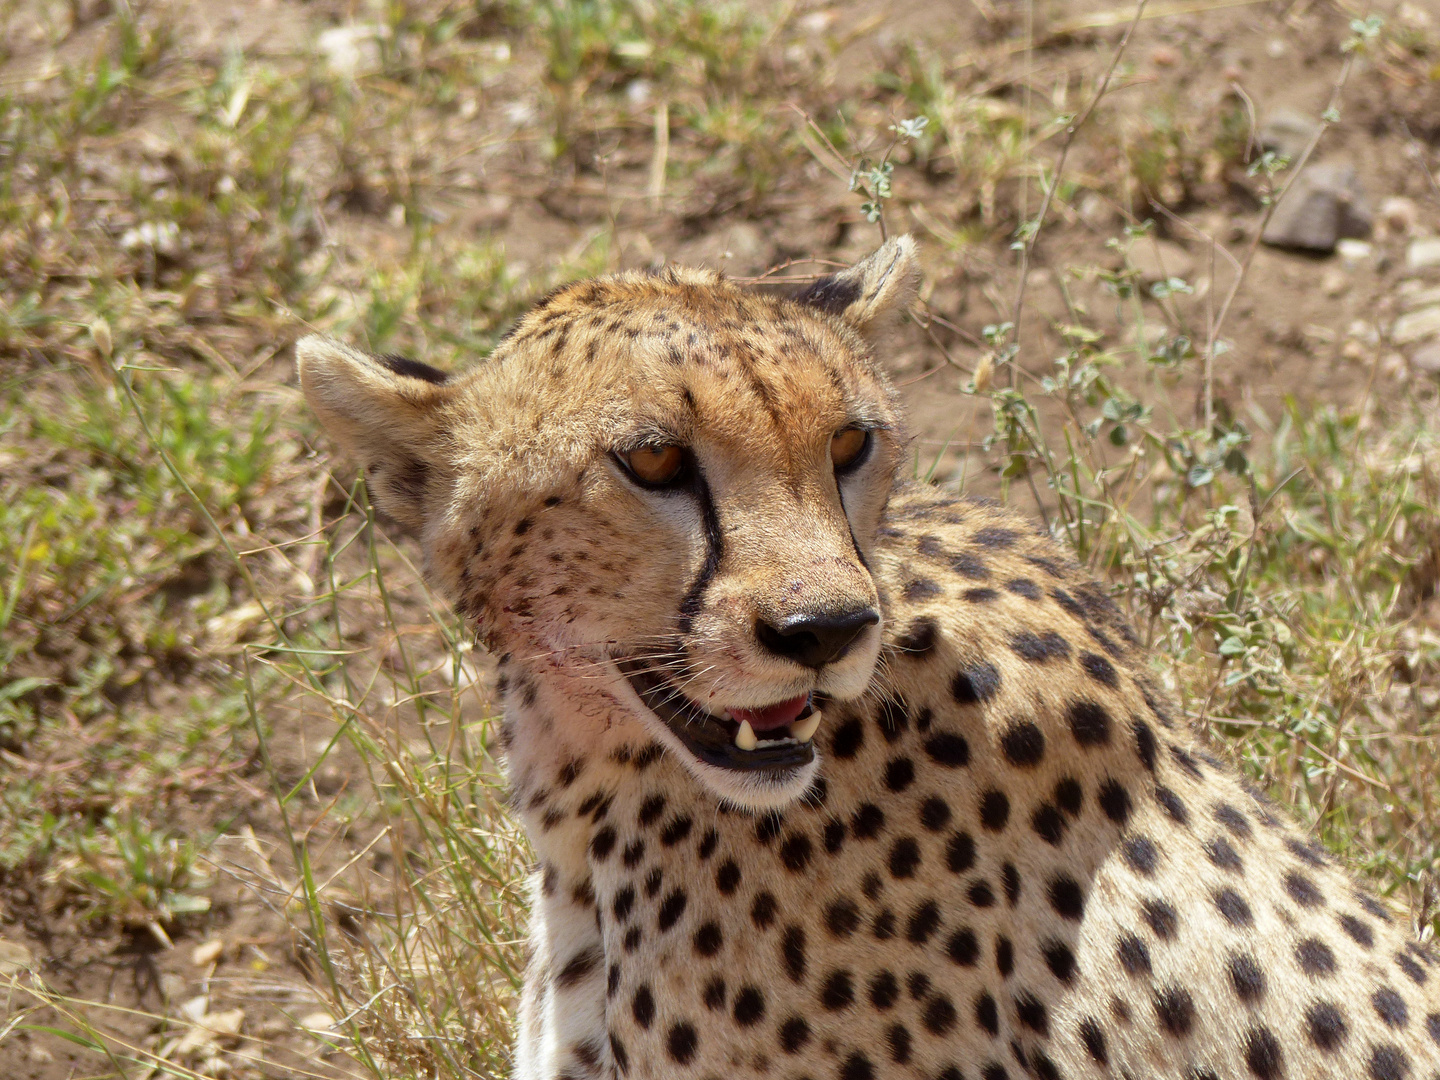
(872, 293)
(387, 412)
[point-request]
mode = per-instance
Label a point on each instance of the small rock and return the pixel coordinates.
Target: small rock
(317, 1021)
(1426, 359)
(1164, 56)
(1399, 215)
(1413, 298)
(1335, 282)
(1323, 204)
(1423, 253)
(206, 953)
(1158, 260)
(1287, 131)
(1416, 326)
(1354, 252)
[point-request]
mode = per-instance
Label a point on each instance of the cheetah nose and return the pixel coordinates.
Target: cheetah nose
(817, 638)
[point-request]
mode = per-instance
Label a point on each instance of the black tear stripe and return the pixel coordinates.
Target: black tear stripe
(413, 369)
(714, 551)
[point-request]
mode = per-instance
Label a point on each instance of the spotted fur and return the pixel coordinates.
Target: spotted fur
(1009, 856)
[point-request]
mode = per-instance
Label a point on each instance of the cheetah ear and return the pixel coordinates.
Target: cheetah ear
(872, 293)
(385, 412)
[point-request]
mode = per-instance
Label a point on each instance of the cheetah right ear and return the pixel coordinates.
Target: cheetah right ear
(385, 412)
(872, 293)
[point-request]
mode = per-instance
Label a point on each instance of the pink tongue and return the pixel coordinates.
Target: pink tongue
(772, 716)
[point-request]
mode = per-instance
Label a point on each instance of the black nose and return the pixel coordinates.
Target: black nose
(815, 639)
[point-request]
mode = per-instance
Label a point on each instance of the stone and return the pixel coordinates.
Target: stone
(1426, 359)
(1335, 283)
(1399, 215)
(1423, 253)
(1416, 326)
(1158, 260)
(1353, 252)
(1287, 132)
(1323, 204)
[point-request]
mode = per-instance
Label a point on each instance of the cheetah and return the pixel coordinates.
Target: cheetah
(830, 775)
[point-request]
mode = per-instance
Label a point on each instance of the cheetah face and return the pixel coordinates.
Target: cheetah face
(659, 496)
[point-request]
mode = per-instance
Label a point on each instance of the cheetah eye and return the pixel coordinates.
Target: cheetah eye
(655, 466)
(848, 448)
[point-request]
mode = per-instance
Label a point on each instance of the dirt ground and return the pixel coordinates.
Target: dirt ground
(481, 167)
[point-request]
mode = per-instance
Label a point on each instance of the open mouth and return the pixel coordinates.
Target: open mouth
(775, 739)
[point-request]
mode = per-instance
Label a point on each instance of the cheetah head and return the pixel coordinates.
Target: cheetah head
(659, 496)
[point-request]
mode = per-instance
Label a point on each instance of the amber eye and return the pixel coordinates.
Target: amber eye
(655, 464)
(847, 448)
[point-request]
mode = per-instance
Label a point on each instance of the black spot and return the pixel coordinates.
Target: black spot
(1059, 959)
(884, 990)
(898, 1037)
(857, 1067)
(1134, 955)
(413, 369)
(795, 852)
(1048, 823)
(602, 843)
(980, 596)
(904, 857)
(1390, 1007)
(924, 921)
(994, 810)
(1432, 1026)
(1031, 1013)
(981, 895)
(891, 718)
(918, 983)
(1172, 805)
(634, 854)
(871, 885)
(1373, 906)
(623, 903)
(1140, 855)
(920, 589)
(792, 951)
(834, 836)
(963, 948)
(939, 1015)
(975, 685)
(1175, 1009)
(1069, 795)
(960, 852)
(612, 980)
(794, 1034)
(986, 1014)
(869, 819)
(727, 877)
(967, 565)
(1302, 890)
(1315, 957)
(1326, 1026)
(833, 293)
(1004, 956)
(1160, 917)
(708, 939)
(763, 909)
(1024, 587)
(883, 927)
(1093, 1039)
(848, 739)
(671, 908)
(651, 809)
(768, 826)
(1262, 1053)
(642, 1007)
(1308, 853)
(1388, 1062)
(1099, 669)
(899, 774)
(934, 813)
(1144, 743)
(1233, 907)
(1357, 931)
(682, 1043)
(749, 1007)
(1089, 723)
(714, 995)
(992, 536)
(948, 749)
(1247, 978)
(1039, 648)
(1185, 760)
(842, 918)
(838, 991)
(1115, 801)
(579, 967)
(919, 636)
(617, 1051)
(1412, 970)
(1010, 879)
(1067, 899)
(676, 830)
(1223, 855)
(1023, 744)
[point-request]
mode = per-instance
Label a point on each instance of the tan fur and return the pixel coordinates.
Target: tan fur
(1009, 857)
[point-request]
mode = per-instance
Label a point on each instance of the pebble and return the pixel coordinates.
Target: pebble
(1335, 282)
(1287, 131)
(1416, 326)
(1353, 252)
(206, 953)
(1399, 215)
(1423, 253)
(1324, 204)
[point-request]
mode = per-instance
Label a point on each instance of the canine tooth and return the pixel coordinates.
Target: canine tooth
(745, 737)
(804, 730)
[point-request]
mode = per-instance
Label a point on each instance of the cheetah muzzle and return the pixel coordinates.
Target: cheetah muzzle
(829, 774)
